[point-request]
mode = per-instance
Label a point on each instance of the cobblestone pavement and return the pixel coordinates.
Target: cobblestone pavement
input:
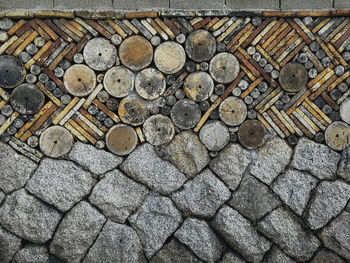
(174, 139)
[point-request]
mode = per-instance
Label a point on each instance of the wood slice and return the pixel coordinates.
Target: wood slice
(200, 45)
(199, 86)
(27, 99)
(293, 77)
(12, 71)
(233, 111)
(100, 54)
(136, 53)
(158, 129)
(119, 82)
(251, 134)
(121, 139)
(56, 141)
(224, 67)
(133, 110)
(79, 80)
(345, 111)
(185, 114)
(169, 57)
(337, 135)
(150, 83)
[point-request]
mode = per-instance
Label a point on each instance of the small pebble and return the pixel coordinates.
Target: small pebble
(100, 77)
(213, 154)
(256, 56)
(160, 102)
(32, 49)
(343, 87)
(116, 39)
(108, 122)
(243, 84)
(327, 109)
(155, 40)
(251, 50)
(112, 104)
(312, 73)
(57, 92)
(2, 119)
(165, 110)
(3, 36)
(279, 104)
(320, 54)
(319, 101)
(204, 105)
(78, 58)
(214, 115)
(255, 93)
(263, 86)
(101, 116)
(154, 109)
(170, 79)
(39, 41)
(308, 64)
(7, 110)
(11, 130)
(292, 140)
(43, 78)
(285, 98)
(248, 100)
(221, 47)
(275, 74)
(190, 66)
(24, 57)
(59, 72)
(233, 137)
(314, 46)
(326, 61)
(319, 137)
(236, 91)
(335, 94)
(33, 141)
(18, 123)
(6, 24)
(31, 78)
(347, 48)
(339, 70)
(213, 97)
(5, 137)
(308, 20)
(35, 69)
(219, 89)
(302, 58)
(263, 62)
(180, 94)
(251, 114)
(181, 38)
(65, 99)
(100, 144)
(346, 55)
(256, 21)
(50, 85)
(170, 100)
(92, 109)
(268, 68)
(102, 96)
(64, 64)
(204, 66)
(334, 116)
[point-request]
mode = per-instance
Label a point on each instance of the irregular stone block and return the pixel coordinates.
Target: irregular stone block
(326, 256)
(232, 257)
(277, 256)
(32, 253)
(9, 244)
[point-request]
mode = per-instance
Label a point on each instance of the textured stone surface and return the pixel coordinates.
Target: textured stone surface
(155, 221)
(60, 183)
(116, 243)
(174, 252)
(117, 196)
(329, 200)
(187, 153)
(232, 257)
(2, 196)
(240, 235)
(294, 188)
(9, 244)
(344, 165)
(199, 237)
(29, 218)
(15, 171)
(96, 161)
(275, 255)
(289, 235)
(201, 196)
(326, 256)
(77, 232)
(253, 199)
(273, 157)
(32, 253)
(336, 235)
(230, 164)
(318, 159)
(144, 166)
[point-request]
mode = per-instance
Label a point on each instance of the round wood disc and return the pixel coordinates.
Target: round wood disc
(100, 54)
(198, 86)
(121, 139)
(136, 53)
(233, 111)
(150, 83)
(200, 45)
(56, 141)
(345, 111)
(224, 67)
(337, 135)
(293, 77)
(27, 99)
(251, 134)
(185, 114)
(12, 71)
(169, 57)
(133, 110)
(214, 135)
(79, 80)
(158, 129)
(119, 82)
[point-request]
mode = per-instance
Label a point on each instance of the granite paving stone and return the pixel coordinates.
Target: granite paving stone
(32, 253)
(76, 232)
(232, 257)
(201, 196)
(10, 244)
(28, 217)
(327, 256)
(60, 183)
(344, 165)
(117, 196)
(276, 255)
(2, 196)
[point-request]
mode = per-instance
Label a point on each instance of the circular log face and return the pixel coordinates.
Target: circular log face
(133, 110)
(100, 54)
(119, 82)
(169, 57)
(56, 141)
(214, 135)
(150, 83)
(136, 53)
(293, 77)
(185, 114)
(200, 45)
(233, 111)
(345, 111)
(337, 135)
(27, 99)
(12, 71)
(224, 67)
(158, 129)
(121, 139)
(79, 80)
(199, 86)
(251, 134)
